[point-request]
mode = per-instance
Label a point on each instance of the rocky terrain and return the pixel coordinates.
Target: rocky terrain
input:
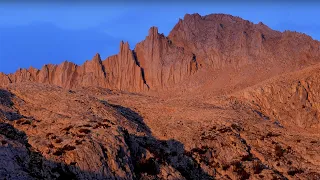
(196, 46)
(219, 98)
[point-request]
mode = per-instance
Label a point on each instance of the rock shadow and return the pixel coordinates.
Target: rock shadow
(19, 161)
(132, 116)
(6, 106)
(149, 153)
(147, 156)
(162, 153)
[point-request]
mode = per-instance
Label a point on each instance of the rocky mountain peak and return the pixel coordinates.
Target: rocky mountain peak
(153, 31)
(196, 42)
(96, 57)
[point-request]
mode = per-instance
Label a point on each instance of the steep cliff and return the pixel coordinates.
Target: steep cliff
(213, 42)
(120, 72)
(221, 40)
(124, 71)
(164, 63)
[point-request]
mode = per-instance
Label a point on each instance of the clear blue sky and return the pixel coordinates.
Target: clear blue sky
(36, 34)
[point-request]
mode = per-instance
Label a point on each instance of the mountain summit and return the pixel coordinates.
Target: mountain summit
(196, 44)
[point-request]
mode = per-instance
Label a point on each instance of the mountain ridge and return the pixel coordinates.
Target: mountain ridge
(160, 62)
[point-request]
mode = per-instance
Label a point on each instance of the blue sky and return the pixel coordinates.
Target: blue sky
(37, 34)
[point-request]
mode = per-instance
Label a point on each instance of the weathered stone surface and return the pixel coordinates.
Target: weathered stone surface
(124, 71)
(211, 42)
(221, 40)
(164, 64)
(292, 100)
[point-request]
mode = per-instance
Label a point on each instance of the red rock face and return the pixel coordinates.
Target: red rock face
(119, 72)
(4, 79)
(220, 40)
(164, 63)
(124, 72)
(210, 42)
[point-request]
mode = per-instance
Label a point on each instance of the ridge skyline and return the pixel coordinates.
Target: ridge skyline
(32, 35)
(132, 46)
(195, 46)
